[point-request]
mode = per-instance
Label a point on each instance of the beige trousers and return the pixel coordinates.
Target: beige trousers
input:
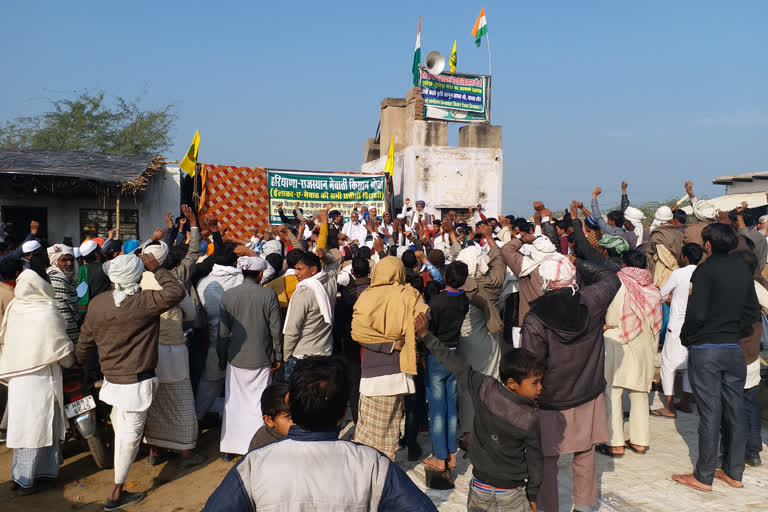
(639, 417)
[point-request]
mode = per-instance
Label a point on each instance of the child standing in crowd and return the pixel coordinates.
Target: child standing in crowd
(507, 462)
(447, 311)
(277, 416)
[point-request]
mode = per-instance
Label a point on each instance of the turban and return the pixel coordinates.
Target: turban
(87, 248)
(421, 203)
(271, 247)
(475, 259)
(592, 224)
(617, 243)
(203, 247)
(534, 253)
(99, 241)
(157, 249)
(130, 246)
(636, 217)
(57, 251)
(704, 210)
(125, 272)
(557, 272)
(251, 263)
(76, 250)
(400, 216)
(663, 214)
(30, 246)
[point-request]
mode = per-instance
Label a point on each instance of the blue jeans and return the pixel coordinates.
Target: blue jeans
(443, 418)
(752, 410)
(717, 378)
(288, 368)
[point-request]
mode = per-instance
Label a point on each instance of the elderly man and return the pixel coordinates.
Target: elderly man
(354, 230)
(250, 347)
(412, 218)
(124, 326)
(665, 245)
(62, 276)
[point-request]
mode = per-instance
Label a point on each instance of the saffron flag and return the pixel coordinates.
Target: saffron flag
(190, 160)
(417, 57)
(452, 60)
(480, 28)
(390, 167)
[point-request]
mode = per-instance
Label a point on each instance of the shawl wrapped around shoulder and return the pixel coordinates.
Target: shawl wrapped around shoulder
(386, 310)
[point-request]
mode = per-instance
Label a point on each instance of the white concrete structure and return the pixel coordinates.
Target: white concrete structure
(446, 177)
(744, 183)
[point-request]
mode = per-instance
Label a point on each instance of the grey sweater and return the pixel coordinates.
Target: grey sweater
(306, 333)
(249, 328)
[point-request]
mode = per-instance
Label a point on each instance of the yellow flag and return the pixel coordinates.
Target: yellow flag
(390, 167)
(190, 160)
(452, 60)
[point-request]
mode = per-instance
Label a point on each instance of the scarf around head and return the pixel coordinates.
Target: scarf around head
(33, 332)
(125, 273)
(476, 260)
(615, 242)
(534, 253)
(55, 252)
(557, 272)
(386, 310)
(642, 301)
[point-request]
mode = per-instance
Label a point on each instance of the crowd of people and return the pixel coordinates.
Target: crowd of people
(512, 339)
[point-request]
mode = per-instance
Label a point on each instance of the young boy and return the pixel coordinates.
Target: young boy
(447, 311)
(506, 444)
(277, 416)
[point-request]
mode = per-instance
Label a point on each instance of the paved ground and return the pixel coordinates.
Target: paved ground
(632, 484)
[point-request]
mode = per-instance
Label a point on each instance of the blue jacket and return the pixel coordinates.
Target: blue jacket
(309, 471)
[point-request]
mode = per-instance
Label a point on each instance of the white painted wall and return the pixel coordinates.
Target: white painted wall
(748, 187)
(161, 196)
(446, 177)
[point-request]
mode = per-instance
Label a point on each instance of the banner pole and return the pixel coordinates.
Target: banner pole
(488, 41)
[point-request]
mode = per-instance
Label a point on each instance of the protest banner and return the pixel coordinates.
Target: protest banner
(313, 191)
(456, 97)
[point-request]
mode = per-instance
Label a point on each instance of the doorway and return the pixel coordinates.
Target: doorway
(17, 219)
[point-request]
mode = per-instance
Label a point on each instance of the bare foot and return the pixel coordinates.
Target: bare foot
(691, 481)
(721, 475)
(452, 460)
(434, 463)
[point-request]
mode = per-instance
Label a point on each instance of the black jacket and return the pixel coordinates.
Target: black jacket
(566, 331)
(506, 442)
(446, 315)
(723, 304)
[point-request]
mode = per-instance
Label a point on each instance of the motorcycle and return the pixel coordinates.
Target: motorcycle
(86, 416)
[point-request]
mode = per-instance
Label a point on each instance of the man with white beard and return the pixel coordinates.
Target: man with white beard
(62, 276)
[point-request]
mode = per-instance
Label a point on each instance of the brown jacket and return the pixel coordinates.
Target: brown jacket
(530, 285)
(484, 291)
(127, 337)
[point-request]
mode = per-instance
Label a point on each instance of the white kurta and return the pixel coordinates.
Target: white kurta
(242, 407)
(355, 232)
(628, 365)
(673, 354)
(32, 399)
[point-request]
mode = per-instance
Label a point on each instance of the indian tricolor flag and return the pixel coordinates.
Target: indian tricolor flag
(480, 28)
(417, 57)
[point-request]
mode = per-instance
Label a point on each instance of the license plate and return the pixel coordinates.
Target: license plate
(80, 406)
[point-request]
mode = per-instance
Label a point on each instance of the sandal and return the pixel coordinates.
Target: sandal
(659, 413)
(604, 449)
(632, 447)
(690, 481)
(432, 464)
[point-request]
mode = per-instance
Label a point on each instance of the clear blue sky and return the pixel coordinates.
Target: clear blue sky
(588, 93)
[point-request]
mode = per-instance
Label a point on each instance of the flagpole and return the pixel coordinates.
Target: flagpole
(488, 41)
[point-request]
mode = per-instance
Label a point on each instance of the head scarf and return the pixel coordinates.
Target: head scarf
(557, 272)
(534, 253)
(643, 300)
(704, 210)
(159, 250)
(33, 332)
(57, 251)
(252, 263)
(87, 248)
(385, 311)
(125, 272)
(663, 214)
(636, 217)
(130, 246)
(271, 247)
(617, 243)
(475, 259)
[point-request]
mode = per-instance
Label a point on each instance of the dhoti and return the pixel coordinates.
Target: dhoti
(242, 407)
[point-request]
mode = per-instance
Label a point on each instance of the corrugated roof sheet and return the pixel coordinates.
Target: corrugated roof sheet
(747, 177)
(101, 167)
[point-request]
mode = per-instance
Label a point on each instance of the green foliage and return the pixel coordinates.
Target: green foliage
(87, 122)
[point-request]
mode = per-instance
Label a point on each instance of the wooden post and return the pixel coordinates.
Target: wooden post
(117, 220)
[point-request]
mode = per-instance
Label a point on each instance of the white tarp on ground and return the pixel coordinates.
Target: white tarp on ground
(731, 201)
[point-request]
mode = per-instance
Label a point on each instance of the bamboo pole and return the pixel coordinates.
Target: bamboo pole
(117, 220)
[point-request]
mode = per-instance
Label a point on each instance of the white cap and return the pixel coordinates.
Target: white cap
(30, 246)
(87, 247)
(252, 263)
(77, 252)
